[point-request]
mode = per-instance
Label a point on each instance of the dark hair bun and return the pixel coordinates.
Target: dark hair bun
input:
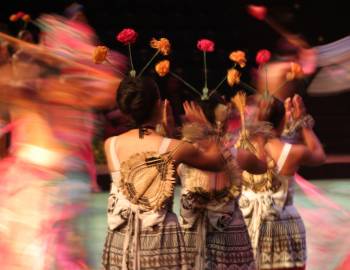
(137, 97)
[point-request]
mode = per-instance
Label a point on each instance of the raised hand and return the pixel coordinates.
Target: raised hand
(288, 107)
(168, 121)
(298, 107)
(194, 113)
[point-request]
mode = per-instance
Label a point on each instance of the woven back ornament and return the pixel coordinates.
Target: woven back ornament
(148, 179)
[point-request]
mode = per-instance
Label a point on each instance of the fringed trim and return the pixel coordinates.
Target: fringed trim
(194, 132)
(147, 180)
(261, 128)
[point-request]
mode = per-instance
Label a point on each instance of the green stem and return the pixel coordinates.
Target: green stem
(218, 86)
(185, 83)
(148, 63)
(221, 82)
(205, 70)
(266, 87)
(130, 57)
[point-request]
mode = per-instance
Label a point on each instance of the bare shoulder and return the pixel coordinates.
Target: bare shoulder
(107, 143)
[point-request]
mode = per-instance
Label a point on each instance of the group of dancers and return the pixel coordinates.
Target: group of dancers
(235, 160)
(236, 201)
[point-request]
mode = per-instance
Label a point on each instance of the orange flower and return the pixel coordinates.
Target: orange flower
(162, 68)
(233, 76)
(100, 54)
(162, 45)
(295, 72)
(239, 58)
(26, 18)
(13, 18)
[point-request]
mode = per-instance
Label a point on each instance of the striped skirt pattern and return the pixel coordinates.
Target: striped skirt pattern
(161, 247)
(282, 243)
(227, 249)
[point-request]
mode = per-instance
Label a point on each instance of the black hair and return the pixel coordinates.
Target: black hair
(276, 113)
(137, 98)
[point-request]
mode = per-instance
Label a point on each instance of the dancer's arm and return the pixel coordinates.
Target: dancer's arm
(211, 159)
(312, 152)
(247, 161)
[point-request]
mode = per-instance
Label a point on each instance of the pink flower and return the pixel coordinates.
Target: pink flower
(258, 12)
(127, 36)
(263, 56)
(205, 45)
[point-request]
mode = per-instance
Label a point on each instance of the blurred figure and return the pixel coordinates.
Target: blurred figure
(75, 12)
(325, 68)
(45, 180)
(273, 75)
(332, 68)
(4, 58)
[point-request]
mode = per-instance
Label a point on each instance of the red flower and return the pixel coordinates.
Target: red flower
(263, 56)
(20, 15)
(258, 12)
(127, 36)
(205, 45)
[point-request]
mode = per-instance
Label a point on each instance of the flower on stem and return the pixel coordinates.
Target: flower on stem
(233, 77)
(17, 16)
(162, 45)
(100, 54)
(26, 18)
(263, 56)
(295, 72)
(258, 12)
(20, 15)
(127, 36)
(162, 68)
(239, 58)
(205, 45)
(13, 18)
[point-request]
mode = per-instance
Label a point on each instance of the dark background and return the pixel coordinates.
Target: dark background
(184, 22)
(229, 26)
